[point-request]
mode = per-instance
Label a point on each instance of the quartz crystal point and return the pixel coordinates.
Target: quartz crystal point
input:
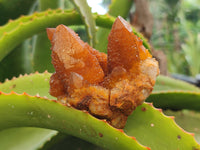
(71, 54)
(109, 86)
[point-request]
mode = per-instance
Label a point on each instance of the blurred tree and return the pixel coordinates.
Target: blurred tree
(173, 21)
(142, 20)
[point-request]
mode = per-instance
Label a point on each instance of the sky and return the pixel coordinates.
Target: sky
(96, 7)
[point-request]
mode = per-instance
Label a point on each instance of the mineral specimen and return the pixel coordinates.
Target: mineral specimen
(109, 86)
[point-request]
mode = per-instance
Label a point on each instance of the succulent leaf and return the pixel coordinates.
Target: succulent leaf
(124, 6)
(30, 138)
(14, 32)
(175, 100)
(61, 141)
(17, 64)
(13, 9)
(87, 17)
(33, 84)
(25, 138)
(162, 97)
(149, 125)
(41, 45)
(52, 115)
(164, 83)
(170, 93)
(24, 110)
(189, 120)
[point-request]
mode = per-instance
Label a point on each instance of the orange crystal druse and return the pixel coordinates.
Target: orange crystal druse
(107, 86)
(56, 86)
(73, 53)
(124, 48)
(126, 81)
(101, 57)
(70, 54)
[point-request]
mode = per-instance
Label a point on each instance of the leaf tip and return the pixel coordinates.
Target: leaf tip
(172, 117)
(133, 138)
(160, 110)
(103, 120)
(13, 78)
(20, 75)
(6, 80)
(45, 97)
(21, 23)
(67, 104)
(121, 130)
(26, 94)
(12, 92)
(10, 20)
(148, 148)
(150, 104)
(5, 33)
(46, 72)
(37, 95)
(192, 134)
(55, 101)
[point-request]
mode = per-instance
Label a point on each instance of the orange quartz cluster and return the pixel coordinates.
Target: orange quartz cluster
(109, 86)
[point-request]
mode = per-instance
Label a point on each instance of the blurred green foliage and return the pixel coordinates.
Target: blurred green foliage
(176, 30)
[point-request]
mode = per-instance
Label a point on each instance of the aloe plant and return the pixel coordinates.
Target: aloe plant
(26, 106)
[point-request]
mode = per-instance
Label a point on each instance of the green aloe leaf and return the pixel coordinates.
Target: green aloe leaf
(41, 45)
(17, 64)
(170, 93)
(63, 141)
(18, 30)
(39, 112)
(164, 84)
(120, 7)
(24, 110)
(87, 17)
(152, 128)
(44, 139)
(13, 9)
(176, 100)
(27, 138)
(24, 138)
(188, 120)
(41, 53)
(33, 84)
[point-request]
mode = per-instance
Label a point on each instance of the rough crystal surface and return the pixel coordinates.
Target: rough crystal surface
(107, 86)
